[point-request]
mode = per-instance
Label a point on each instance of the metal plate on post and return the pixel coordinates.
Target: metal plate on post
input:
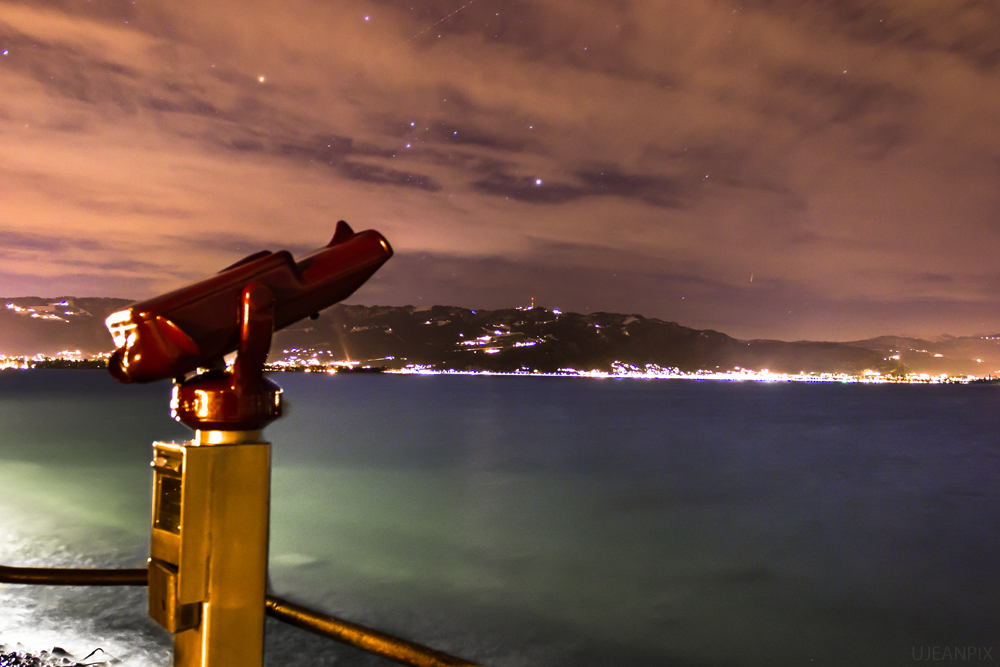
(163, 606)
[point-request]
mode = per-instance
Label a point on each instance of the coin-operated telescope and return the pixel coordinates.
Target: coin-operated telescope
(211, 495)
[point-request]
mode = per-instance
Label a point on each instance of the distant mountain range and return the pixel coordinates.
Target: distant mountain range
(446, 337)
(33, 325)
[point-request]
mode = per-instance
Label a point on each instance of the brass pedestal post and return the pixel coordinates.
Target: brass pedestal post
(208, 555)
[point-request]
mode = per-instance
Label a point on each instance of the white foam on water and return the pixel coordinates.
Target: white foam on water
(40, 528)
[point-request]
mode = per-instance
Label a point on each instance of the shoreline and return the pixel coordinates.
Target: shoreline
(620, 371)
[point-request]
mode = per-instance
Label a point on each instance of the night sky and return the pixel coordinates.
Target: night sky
(774, 168)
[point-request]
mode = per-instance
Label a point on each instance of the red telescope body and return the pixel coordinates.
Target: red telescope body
(195, 326)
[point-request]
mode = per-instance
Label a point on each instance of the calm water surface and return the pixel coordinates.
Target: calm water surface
(545, 521)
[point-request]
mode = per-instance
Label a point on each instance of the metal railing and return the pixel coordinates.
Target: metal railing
(369, 640)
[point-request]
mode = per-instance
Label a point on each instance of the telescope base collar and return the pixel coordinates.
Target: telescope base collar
(209, 402)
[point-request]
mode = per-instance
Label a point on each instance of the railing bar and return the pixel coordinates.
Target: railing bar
(366, 639)
(57, 576)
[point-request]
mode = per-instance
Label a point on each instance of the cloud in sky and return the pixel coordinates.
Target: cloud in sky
(616, 155)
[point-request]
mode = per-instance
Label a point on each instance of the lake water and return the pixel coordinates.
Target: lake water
(522, 521)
